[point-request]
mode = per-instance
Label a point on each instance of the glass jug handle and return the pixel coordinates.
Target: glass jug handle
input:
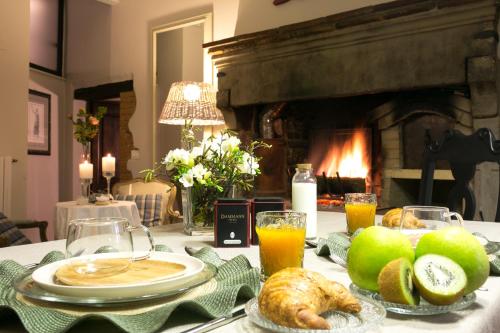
(150, 238)
(459, 220)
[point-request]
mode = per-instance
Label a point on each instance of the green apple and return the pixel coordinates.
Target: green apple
(463, 248)
(371, 250)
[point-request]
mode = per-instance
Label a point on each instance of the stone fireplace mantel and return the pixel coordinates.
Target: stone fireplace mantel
(401, 45)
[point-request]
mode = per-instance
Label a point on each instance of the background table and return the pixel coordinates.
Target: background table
(483, 316)
(67, 211)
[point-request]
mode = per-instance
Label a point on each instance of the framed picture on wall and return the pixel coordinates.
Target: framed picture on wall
(38, 123)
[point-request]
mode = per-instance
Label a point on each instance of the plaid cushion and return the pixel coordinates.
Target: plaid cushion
(149, 206)
(10, 234)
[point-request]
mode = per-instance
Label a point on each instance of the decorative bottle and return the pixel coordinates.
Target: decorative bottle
(304, 196)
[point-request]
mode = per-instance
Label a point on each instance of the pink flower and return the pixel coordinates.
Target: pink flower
(93, 121)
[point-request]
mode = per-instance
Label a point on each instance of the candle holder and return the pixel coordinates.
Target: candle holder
(85, 187)
(108, 175)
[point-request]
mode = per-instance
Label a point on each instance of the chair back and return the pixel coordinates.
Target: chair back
(156, 186)
(464, 153)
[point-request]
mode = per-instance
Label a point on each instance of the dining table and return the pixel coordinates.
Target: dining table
(71, 210)
(482, 316)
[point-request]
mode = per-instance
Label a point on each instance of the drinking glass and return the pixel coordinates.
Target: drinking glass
(416, 221)
(360, 210)
(89, 239)
(281, 240)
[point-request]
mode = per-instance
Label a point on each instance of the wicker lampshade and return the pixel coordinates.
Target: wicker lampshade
(192, 101)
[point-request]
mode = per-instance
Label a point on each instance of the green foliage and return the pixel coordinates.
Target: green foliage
(86, 126)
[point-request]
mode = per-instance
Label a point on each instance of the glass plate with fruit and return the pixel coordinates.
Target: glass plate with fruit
(423, 309)
(439, 275)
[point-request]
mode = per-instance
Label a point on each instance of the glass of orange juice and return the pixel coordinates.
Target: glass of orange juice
(281, 240)
(360, 210)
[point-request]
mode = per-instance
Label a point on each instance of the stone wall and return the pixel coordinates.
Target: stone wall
(127, 109)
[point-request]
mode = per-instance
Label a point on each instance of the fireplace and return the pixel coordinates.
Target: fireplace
(394, 72)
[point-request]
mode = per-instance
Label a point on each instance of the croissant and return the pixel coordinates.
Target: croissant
(294, 297)
(392, 219)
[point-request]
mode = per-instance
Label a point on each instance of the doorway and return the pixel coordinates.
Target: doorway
(114, 136)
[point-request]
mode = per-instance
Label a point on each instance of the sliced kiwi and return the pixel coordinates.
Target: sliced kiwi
(439, 280)
(395, 282)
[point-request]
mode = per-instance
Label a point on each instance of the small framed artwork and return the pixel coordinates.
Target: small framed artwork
(38, 123)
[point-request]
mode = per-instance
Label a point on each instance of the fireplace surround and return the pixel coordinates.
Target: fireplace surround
(402, 67)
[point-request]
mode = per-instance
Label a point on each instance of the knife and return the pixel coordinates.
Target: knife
(217, 322)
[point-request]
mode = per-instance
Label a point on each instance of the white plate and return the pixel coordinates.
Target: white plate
(44, 277)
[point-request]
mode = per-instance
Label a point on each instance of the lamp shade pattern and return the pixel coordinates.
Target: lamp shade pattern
(191, 101)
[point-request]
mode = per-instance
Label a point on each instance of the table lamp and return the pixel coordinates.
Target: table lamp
(190, 104)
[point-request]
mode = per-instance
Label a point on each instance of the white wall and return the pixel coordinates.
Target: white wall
(169, 70)
(88, 54)
(225, 17)
(192, 53)
(14, 65)
(88, 49)
(257, 15)
(43, 174)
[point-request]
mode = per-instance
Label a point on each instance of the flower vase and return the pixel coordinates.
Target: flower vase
(198, 209)
(86, 151)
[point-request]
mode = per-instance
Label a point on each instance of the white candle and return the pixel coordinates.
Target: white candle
(108, 164)
(86, 170)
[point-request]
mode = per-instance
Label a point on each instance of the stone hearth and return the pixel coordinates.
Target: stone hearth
(393, 48)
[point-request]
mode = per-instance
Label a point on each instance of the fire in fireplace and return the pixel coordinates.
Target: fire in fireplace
(347, 153)
(342, 160)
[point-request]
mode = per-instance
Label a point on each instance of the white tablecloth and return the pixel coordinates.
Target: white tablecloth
(67, 211)
(483, 316)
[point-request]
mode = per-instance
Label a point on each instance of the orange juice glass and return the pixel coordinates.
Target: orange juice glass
(360, 210)
(281, 240)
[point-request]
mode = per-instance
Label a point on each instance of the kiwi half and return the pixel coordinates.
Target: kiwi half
(395, 282)
(439, 280)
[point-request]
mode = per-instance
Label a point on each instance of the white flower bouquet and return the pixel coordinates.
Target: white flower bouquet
(211, 169)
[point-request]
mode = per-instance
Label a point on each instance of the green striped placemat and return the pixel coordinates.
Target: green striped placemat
(235, 279)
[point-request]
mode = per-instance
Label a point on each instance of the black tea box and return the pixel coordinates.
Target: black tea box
(261, 205)
(232, 223)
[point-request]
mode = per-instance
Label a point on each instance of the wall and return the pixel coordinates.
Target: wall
(192, 53)
(88, 53)
(88, 42)
(14, 64)
(42, 175)
(44, 179)
(169, 70)
(225, 17)
(257, 15)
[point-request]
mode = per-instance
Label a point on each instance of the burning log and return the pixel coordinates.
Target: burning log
(339, 185)
(331, 191)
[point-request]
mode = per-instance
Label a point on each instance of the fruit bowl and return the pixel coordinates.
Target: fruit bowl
(423, 309)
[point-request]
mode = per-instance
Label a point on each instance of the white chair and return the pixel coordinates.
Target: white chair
(157, 186)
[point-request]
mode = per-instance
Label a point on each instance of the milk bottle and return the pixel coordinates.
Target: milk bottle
(304, 196)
